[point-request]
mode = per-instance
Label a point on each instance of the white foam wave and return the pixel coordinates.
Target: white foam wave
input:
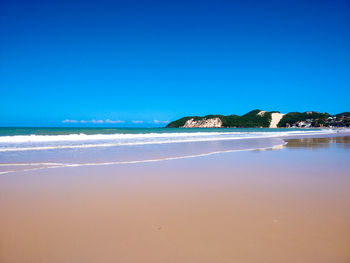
(97, 137)
(72, 141)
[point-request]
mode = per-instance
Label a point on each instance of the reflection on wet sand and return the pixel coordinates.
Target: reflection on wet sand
(343, 142)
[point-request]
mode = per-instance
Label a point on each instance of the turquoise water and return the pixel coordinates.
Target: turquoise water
(35, 139)
(25, 147)
(12, 131)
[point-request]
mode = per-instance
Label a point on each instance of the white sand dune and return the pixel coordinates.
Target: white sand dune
(275, 119)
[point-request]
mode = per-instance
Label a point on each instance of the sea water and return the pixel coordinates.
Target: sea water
(57, 147)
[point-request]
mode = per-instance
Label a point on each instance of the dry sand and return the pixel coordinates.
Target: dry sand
(275, 119)
(210, 209)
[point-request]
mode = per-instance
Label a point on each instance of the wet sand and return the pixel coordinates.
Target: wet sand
(288, 205)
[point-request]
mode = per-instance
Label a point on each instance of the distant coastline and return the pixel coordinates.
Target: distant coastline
(264, 119)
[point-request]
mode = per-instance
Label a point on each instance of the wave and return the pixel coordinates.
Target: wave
(72, 141)
(45, 165)
(95, 137)
(89, 137)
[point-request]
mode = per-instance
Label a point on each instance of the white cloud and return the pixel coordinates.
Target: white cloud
(114, 121)
(92, 121)
(109, 121)
(97, 121)
(69, 121)
(160, 122)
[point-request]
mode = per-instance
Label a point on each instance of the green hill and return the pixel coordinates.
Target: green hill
(248, 120)
(257, 118)
(293, 117)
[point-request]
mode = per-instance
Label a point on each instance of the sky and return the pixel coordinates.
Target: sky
(143, 63)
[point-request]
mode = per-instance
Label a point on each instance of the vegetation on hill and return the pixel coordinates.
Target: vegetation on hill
(254, 119)
(248, 120)
(345, 114)
(293, 117)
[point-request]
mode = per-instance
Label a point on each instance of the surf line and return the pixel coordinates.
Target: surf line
(192, 138)
(67, 165)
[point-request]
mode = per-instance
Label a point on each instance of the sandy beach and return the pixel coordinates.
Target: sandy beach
(288, 205)
(174, 131)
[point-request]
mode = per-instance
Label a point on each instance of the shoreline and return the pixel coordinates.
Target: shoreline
(57, 165)
(290, 205)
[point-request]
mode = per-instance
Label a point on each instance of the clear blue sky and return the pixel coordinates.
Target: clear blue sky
(161, 60)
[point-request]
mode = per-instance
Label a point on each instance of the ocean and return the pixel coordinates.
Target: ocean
(61, 147)
(32, 139)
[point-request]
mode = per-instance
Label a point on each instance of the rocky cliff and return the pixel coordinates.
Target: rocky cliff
(203, 123)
